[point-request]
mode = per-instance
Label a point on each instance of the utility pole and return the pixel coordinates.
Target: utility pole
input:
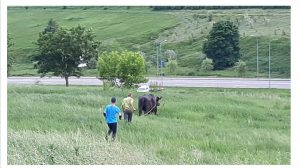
(157, 59)
(158, 52)
(257, 71)
(160, 62)
(160, 56)
(269, 64)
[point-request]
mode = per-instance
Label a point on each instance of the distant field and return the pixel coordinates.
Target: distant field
(137, 28)
(58, 125)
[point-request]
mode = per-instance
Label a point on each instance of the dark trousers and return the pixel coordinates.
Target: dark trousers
(112, 129)
(127, 115)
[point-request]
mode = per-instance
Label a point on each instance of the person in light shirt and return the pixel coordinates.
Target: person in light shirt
(128, 107)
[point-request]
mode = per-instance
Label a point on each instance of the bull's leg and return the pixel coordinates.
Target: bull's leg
(155, 110)
(140, 112)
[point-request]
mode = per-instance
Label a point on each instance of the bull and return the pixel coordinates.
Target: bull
(148, 104)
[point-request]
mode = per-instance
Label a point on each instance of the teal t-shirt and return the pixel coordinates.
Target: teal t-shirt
(111, 113)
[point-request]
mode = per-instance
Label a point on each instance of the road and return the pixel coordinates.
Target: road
(165, 81)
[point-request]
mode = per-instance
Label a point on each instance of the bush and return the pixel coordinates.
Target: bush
(207, 64)
(172, 66)
(191, 74)
(241, 68)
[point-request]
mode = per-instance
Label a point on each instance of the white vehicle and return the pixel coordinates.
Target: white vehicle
(143, 88)
(82, 65)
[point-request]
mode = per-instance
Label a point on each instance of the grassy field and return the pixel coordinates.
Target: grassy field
(58, 125)
(137, 28)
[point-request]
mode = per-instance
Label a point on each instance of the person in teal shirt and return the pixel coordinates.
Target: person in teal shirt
(110, 113)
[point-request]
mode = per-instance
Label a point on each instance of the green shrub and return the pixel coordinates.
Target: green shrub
(241, 68)
(207, 64)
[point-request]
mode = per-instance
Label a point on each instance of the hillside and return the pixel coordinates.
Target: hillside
(138, 28)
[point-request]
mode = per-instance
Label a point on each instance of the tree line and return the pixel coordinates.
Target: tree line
(158, 8)
(64, 51)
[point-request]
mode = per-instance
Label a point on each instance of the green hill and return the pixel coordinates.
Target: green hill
(138, 28)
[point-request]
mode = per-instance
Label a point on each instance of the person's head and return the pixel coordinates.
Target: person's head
(130, 95)
(113, 100)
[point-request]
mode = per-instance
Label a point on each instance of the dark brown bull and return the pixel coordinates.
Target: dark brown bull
(148, 104)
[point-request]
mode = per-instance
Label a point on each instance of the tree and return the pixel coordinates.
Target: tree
(172, 66)
(51, 27)
(170, 54)
(61, 52)
(108, 65)
(10, 58)
(241, 68)
(223, 45)
(207, 64)
(127, 66)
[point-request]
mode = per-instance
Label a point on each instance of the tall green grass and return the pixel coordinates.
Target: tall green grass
(58, 125)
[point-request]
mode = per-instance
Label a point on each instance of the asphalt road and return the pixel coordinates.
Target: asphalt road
(164, 81)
